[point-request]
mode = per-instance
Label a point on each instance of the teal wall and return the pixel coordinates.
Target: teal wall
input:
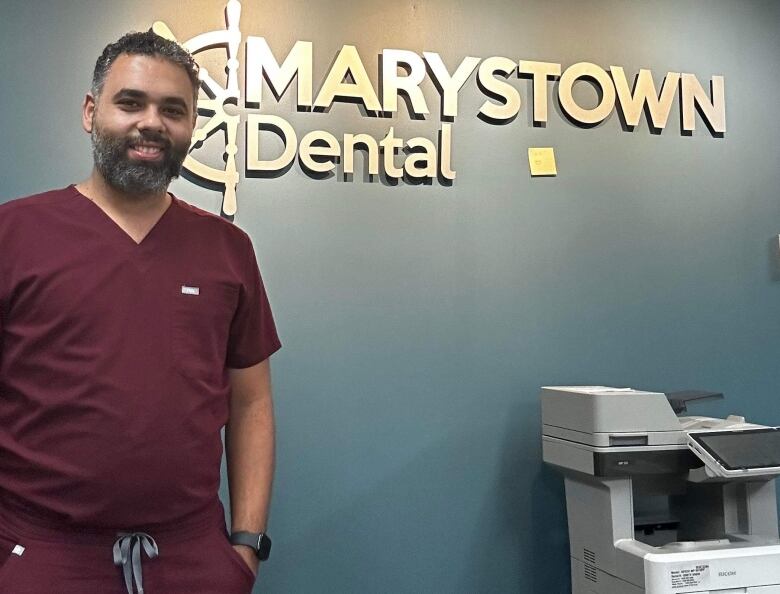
(420, 321)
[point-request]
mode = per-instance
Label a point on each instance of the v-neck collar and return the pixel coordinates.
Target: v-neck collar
(117, 230)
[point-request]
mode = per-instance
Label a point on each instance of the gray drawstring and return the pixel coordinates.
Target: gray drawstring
(127, 555)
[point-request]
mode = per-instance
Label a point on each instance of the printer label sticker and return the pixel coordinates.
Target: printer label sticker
(689, 576)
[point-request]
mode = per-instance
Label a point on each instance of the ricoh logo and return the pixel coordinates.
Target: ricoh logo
(401, 74)
(727, 573)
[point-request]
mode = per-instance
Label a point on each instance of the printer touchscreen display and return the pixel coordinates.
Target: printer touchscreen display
(734, 450)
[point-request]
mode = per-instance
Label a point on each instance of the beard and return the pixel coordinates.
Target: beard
(136, 177)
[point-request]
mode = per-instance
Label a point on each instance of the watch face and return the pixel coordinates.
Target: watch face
(263, 547)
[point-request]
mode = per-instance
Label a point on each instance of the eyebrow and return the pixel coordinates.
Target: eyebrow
(136, 94)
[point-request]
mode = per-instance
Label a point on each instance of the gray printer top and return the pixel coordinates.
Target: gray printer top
(601, 409)
(602, 416)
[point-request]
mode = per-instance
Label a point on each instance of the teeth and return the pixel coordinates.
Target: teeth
(147, 150)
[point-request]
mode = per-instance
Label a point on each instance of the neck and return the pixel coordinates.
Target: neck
(110, 198)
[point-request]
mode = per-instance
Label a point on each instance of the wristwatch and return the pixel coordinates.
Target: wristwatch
(257, 541)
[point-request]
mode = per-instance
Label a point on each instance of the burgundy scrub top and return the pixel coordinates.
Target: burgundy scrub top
(114, 357)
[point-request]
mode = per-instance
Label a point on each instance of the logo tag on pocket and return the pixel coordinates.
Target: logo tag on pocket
(185, 290)
(18, 550)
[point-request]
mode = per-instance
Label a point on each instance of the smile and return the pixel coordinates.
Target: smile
(146, 151)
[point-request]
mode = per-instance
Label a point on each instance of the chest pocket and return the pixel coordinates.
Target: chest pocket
(201, 325)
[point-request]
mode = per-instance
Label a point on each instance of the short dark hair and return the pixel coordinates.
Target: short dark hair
(146, 43)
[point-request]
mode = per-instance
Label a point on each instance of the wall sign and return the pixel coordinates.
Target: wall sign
(402, 72)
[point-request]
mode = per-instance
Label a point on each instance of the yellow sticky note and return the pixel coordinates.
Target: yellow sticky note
(542, 161)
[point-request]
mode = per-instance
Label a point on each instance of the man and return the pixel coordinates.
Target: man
(133, 327)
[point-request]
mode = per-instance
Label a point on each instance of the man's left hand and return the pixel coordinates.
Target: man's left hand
(249, 557)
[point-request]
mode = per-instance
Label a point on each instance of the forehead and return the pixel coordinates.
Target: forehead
(155, 76)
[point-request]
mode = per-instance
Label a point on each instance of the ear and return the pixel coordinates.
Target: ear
(87, 112)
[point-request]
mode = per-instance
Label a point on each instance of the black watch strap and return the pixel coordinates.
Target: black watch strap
(257, 541)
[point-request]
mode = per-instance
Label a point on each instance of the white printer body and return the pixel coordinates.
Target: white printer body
(663, 504)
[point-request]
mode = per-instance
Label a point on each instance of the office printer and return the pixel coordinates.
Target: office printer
(659, 503)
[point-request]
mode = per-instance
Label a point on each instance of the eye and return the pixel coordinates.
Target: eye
(128, 104)
(174, 112)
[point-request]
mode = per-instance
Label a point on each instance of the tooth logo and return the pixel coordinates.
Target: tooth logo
(213, 105)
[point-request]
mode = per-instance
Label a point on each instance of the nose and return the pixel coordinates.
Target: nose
(151, 120)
